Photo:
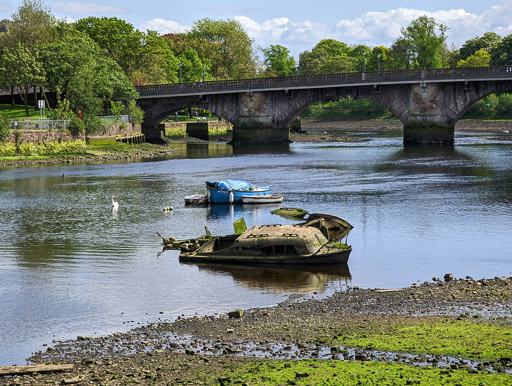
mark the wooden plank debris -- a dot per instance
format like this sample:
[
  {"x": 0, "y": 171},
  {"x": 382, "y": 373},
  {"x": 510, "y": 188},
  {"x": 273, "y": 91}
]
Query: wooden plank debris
[{"x": 29, "y": 369}]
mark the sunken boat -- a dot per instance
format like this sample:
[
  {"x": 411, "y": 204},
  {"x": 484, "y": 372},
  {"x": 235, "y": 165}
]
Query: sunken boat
[{"x": 318, "y": 240}]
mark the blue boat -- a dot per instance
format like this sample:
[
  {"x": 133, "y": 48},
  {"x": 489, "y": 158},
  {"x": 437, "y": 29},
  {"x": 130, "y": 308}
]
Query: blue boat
[{"x": 231, "y": 191}]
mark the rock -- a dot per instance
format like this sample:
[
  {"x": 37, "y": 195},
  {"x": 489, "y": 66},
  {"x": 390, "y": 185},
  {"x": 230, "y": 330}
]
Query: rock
[
  {"x": 448, "y": 277},
  {"x": 236, "y": 314}
]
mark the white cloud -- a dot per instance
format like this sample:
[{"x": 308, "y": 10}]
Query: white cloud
[
  {"x": 86, "y": 9},
  {"x": 163, "y": 26},
  {"x": 372, "y": 28}
]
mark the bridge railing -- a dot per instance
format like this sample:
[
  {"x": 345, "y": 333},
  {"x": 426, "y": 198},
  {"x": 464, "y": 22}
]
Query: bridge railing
[{"x": 324, "y": 79}]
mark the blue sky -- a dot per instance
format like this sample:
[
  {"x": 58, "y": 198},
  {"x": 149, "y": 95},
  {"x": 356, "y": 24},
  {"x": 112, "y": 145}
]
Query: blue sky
[{"x": 298, "y": 24}]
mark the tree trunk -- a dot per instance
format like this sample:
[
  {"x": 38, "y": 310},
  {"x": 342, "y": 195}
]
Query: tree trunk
[
  {"x": 12, "y": 96},
  {"x": 35, "y": 99}
]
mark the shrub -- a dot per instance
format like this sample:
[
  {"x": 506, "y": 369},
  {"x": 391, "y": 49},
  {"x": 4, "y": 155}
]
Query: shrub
[{"x": 4, "y": 128}]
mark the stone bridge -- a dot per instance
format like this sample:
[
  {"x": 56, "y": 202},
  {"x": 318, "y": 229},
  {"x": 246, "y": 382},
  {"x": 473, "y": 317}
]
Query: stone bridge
[{"x": 427, "y": 102}]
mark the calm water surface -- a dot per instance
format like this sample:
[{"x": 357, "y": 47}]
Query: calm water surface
[{"x": 70, "y": 266}]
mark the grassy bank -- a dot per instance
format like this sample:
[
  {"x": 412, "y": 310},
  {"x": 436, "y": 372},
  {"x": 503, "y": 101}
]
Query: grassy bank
[{"x": 17, "y": 112}]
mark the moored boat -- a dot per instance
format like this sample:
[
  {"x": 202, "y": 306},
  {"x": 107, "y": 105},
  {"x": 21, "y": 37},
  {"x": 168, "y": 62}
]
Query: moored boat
[
  {"x": 231, "y": 191},
  {"x": 316, "y": 241},
  {"x": 196, "y": 199},
  {"x": 263, "y": 199}
]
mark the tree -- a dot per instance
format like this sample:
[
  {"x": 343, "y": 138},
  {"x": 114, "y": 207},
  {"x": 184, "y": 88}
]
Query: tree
[
  {"x": 31, "y": 25},
  {"x": 64, "y": 58},
  {"x": 157, "y": 63},
  {"x": 20, "y": 71},
  {"x": 192, "y": 66},
  {"x": 488, "y": 41},
  {"x": 278, "y": 59},
  {"x": 361, "y": 53},
  {"x": 380, "y": 57},
  {"x": 401, "y": 55},
  {"x": 328, "y": 56},
  {"x": 501, "y": 55},
  {"x": 480, "y": 58},
  {"x": 426, "y": 39},
  {"x": 226, "y": 45}
]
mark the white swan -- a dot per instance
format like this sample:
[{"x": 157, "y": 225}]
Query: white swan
[{"x": 115, "y": 204}]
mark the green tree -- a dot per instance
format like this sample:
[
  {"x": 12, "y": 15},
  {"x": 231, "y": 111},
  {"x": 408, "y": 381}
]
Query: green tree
[
  {"x": 501, "y": 55},
  {"x": 157, "y": 63},
  {"x": 488, "y": 41},
  {"x": 480, "y": 58},
  {"x": 135, "y": 112},
  {"x": 192, "y": 66},
  {"x": 226, "y": 45},
  {"x": 328, "y": 56},
  {"x": 361, "y": 53},
  {"x": 279, "y": 61},
  {"x": 117, "y": 37},
  {"x": 64, "y": 58},
  {"x": 20, "y": 70},
  {"x": 427, "y": 38},
  {"x": 380, "y": 56},
  {"x": 31, "y": 25},
  {"x": 401, "y": 55}
]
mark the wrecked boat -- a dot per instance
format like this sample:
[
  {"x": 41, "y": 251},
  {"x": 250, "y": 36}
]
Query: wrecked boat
[
  {"x": 231, "y": 191},
  {"x": 318, "y": 240}
]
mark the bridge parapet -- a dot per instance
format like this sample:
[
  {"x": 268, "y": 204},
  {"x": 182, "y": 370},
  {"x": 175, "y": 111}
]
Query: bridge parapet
[
  {"x": 427, "y": 102},
  {"x": 326, "y": 80}
]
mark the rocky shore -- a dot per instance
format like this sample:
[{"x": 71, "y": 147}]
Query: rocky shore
[{"x": 202, "y": 350}]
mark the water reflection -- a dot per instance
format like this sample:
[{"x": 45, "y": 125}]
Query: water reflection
[
  {"x": 261, "y": 149},
  {"x": 434, "y": 159},
  {"x": 235, "y": 211},
  {"x": 214, "y": 150},
  {"x": 300, "y": 278}
]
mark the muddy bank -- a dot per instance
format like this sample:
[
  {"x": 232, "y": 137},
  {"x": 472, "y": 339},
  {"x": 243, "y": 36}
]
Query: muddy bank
[
  {"x": 199, "y": 349},
  {"x": 392, "y": 125},
  {"x": 138, "y": 152}
]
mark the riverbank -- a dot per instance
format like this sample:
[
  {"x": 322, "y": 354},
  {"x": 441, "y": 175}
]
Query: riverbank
[
  {"x": 453, "y": 331},
  {"x": 319, "y": 132}
]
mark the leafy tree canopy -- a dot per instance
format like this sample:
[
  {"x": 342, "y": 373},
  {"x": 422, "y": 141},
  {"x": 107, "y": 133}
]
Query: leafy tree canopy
[
  {"x": 278, "y": 61},
  {"x": 426, "y": 39},
  {"x": 327, "y": 56},
  {"x": 31, "y": 25},
  {"x": 226, "y": 45},
  {"x": 480, "y": 58},
  {"x": 488, "y": 41},
  {"x": 501, "y": 55}
]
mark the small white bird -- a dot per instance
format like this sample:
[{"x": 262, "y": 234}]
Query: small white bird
[{"x": 115, "y": 204}]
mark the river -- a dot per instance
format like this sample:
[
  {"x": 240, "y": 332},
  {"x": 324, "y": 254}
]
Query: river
[{"x": 70, "y": 266}]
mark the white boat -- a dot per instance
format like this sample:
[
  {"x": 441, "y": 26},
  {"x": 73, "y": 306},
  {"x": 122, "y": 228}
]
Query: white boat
[{"x": 263, "y": 199}]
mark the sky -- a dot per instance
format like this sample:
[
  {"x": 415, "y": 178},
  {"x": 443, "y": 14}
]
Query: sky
[{"x": 299, "y": 24}]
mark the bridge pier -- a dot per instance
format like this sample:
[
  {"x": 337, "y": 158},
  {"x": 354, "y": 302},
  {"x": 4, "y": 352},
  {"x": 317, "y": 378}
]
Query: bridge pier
[
  {"x": 418, "y": 133},
  {"x": 256, "y": 132}
]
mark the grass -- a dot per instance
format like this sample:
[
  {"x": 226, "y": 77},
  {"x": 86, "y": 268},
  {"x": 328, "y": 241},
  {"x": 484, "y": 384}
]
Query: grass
[
  {"x": 331, "y": 372},
  {"x": 17, "y": 112},
  {"x": 439, "y": 336}
]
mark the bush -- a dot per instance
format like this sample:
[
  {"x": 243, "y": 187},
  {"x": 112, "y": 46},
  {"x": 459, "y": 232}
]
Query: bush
[
  {"x": 4, "y": 128},
  {"x": 76, "y": 125},
  {"x": 135, "y": 112}
]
